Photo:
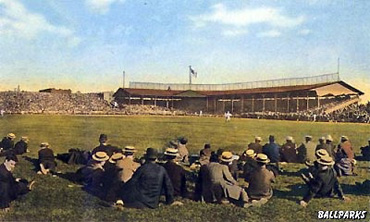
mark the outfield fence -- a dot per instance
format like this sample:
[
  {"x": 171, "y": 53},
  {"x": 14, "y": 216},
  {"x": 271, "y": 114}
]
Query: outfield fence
[{"x": 327, "y": 78}]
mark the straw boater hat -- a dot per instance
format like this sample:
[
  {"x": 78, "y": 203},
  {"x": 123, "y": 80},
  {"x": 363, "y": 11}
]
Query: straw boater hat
[
  {"x": 227, "y": 157},
  {"x": 326, "y": 160},
  {"x": 129, "y": 149},
  {"x": 44, "y": 144},
  {"x": 344, "y": 137},
  {"x": 100, "y": 156},
  {"x": 115, "y": 157},
  {"x": 250, "y": 153},
  {"x": 321, "y": 152},
  {"x": 308, "y": 136},
  {"x": 24, "y": 138},
  {"x": 258, "y": 138},
  {"x": 329, "y": 138},
  {"x": 289, "y": 138},
  {"x": 262, "y": 158},
  {"x": 11, "y": 135},
  {"x": 171, "y": 152},
  {"x": 322, "y": 138}
]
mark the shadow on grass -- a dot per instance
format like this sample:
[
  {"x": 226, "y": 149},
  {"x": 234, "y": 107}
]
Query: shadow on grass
[
  {"x": 34, "y": 161},
  {"x": 296, "y": 192},
  {"x": 359, "y": 189}
]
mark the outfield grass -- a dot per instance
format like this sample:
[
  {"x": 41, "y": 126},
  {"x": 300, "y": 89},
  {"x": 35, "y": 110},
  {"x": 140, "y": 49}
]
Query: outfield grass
[{"x": 52, "y": 199}]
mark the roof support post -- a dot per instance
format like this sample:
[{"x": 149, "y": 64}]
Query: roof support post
[
  {"x": 308, "y": 102},
  {"x": 207, "y": 104},
  {"x": 242, "y": 105},
  {"x": 297, "y": 103},
  {"x": 263, "y": 103},
  {"x": 252, "y": 104},
  {"x": 275, "y": 101},
  {"x": 288, "y": 103}
]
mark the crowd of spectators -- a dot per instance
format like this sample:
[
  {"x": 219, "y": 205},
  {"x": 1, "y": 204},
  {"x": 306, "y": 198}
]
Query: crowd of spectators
[
  {"x": 73, "y": 103},
  {"x": 93, "y": 104},
  {"x": 358, "y": 113}
]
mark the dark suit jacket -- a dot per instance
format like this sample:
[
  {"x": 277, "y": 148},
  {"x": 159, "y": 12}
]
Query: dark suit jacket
[
  {"x": 20, "y": 147},
  {"x": 256, "y": 147},
  {"x": 9, "y": 187},
  {"x": 46, "y": 155},
  {"x": 324, "y": 184},
  {"x": 177, "y": 176},
  {"x": 289, "y": 152},
  {"x": 105, "y": 148},
  {"x": 7, "y": 143},
  {"x": 146, "y": 185}
]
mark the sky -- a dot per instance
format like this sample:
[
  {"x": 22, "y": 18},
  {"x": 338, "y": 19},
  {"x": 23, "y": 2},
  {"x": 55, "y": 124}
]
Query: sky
[{"x": 86, "y": 45}]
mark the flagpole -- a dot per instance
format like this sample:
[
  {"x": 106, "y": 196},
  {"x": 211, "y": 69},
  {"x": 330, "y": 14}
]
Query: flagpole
[{"x": 189, "y": 75}]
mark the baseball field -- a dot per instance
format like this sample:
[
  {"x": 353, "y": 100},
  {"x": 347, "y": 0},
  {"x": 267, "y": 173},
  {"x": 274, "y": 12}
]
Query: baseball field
[{"x": 58, "y": 199}]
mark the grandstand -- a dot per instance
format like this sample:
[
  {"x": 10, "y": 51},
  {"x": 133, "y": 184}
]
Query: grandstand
[{"x": 318, "y": 94}]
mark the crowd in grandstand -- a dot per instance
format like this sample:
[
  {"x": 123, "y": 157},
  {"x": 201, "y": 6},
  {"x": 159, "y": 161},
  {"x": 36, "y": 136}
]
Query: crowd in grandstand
[
  {"x": 357, "y": 113},
  {"x": 92, "y": 103},
  {"x": 120, "y": 179},
  {"x": 73, "y": 103}
]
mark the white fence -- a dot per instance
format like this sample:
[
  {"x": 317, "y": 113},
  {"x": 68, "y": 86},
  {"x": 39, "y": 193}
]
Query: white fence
[{"x": 327, "y": 78}]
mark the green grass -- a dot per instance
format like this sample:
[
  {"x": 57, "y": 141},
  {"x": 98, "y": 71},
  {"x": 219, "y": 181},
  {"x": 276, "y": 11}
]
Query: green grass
[{"x": 52, "y": 199}]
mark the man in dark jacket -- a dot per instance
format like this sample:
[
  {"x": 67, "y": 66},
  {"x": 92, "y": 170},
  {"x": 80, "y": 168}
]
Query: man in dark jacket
[
  {"x": 324, "y": 183},
  {"x": 260, "y": 189},
  {"x": 10, "y": 187},
  {"x": 288, "y": 151},
  {"x": 250, "y": 164},
  {"x": 175, "y": 172},
  {"x": 46, "y": 159},
  {"x": 365, "y": 151},
  {"x": 272, "y": 150},
  {"x": 105, "y": 147},
  {"x": 8, "y": 142},
  {"x": 21, "y": 146},
  {"x": 146, "y": 185},
  {"x": 256, "y": 146}
]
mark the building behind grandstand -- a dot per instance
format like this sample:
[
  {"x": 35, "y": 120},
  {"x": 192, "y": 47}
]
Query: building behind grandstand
[{"x": 323, "y": 94}]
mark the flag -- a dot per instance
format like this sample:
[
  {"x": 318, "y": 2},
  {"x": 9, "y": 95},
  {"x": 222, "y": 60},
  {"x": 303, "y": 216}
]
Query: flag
[{"x": 193, "y": 72}]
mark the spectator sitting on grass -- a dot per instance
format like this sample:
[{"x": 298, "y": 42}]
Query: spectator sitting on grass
[
  {"x": 365, "y": 151},
  {"x": 224, "y": 186},
  {"x": 147, "y": 184},
  {"x": 325, "y": 183},
  {"x": 46, "y": 159},
  {"x": 183, "y": 151},
  {"x": 10, "y": 187},
  {"x": 175, "y": 172},
  {"x": 256, "y": 146},
  {"x": 288, "y": 151},
  {"x": 21, "y": 146},
  {"x": 313, "y": 168},
  {"x": 104, "y": 146},
  {"x": 127, "y": 164},
  {"x": 92, "y": 174},
  {"x": 259, "y": 189},
  {"x": 250, "y": 164},
  {"x": 8, "y": 142}
]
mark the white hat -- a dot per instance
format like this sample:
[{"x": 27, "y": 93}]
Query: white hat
[
  {"x": 329, "y": 138},
  {"x": 290, "y": 138},
  {"x": 258, "y": 138}
]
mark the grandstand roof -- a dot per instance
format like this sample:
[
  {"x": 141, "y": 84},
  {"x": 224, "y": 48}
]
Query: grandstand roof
[{"x": 280, "y": 89}]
